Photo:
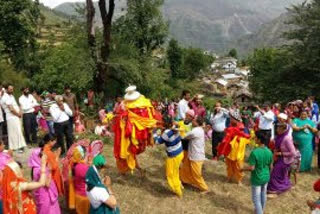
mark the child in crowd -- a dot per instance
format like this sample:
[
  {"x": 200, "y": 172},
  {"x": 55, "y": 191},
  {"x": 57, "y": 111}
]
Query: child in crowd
[
  {"x": 101, "y": 130},
  {"x": 295, "y": 166},
  {"x": 171, "y": 138},
  {"x": 315, "y": 205},
  {"x": 208, "y": 131},
  {"x": 102, "y": 114},
  {"x": 79, "y": 127},
  {"x": 260, "y": 161}
]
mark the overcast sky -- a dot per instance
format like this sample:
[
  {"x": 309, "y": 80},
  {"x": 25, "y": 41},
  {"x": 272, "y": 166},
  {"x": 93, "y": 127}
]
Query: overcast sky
[{"x": 54, "y": 3}]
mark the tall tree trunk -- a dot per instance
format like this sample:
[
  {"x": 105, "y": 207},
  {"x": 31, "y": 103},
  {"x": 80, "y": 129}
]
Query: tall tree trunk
[
  {"x": 91, "y": 30},
  {"x": 102, "y": 59}
]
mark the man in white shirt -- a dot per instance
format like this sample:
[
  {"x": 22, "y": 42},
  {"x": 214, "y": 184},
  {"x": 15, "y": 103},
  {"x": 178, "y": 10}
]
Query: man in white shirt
[
  {"x": 183, "y": 105},
  {"x": 27, "y": 105},
  {"x": 218, "y": 122},
  {"x": 13, "y": 117},
  {"x": 266, "y": 120},
  {"x": 191, "y": 169},
  {"x": 61, "y": 114}
]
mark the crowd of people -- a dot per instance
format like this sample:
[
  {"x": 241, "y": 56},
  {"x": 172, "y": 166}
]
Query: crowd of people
[{"x": 282, "y": 141}]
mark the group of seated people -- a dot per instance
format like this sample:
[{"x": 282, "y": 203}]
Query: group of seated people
[{"x": 81, "y": 182}]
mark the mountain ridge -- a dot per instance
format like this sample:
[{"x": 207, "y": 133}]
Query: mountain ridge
[{"x": 212, "y": 24}]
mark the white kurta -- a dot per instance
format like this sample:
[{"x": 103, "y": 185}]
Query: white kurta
[{"x": 15, "y": 136}]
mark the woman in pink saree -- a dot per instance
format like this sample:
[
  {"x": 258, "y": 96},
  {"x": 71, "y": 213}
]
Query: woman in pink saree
[{"x": 46, "y": 198}]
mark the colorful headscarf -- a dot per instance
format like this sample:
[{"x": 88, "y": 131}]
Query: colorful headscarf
[
  {"x": 34, "y": 159},
  {"x": 4, "y": 159},
  {"x": 99, "y": 160},
  {"x": 78, "y": 155}
]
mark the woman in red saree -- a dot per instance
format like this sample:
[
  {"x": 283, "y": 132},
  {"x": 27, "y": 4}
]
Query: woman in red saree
[{"x": 17, "y": 198}]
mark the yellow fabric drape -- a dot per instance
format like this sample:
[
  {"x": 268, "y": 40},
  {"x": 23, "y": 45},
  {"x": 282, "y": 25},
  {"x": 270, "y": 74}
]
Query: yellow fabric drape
[
  {"x": 191, "y": 173},
  {"x": 141, "y": 123},
  {"x": 141, "y": 102},
  {"x": 235, "y": 159},
  {"x": 233, "y": 169},
  {"x": 253, "y": 139},
  {"x": 125, "y": 142},
  {"x": 172, "y": 172},
  {"x": 238, "y": 149},
  {"x": 128, "y": 160},
  {"x": 183, "y": 128},
  {"x": 82, "y": 204},
  {"x": 109, "y": 117}
]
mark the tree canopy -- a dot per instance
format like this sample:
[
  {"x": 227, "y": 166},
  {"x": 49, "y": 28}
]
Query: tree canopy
[{"x": 291, "y": 71}]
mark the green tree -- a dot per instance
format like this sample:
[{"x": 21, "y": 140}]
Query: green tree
[
  {"x": 194, "y": 62},
  {"x": 68, "y": 63},
  {"x": 143, "y": 25},
  {"x": 290, "y": 72},
  {"x": 304, "y": 45},
  {"x": 175, "y": 58},
  {"x": 18, "y": 31},
  {"x": 233, "y": 53},
  {"x": 270, "y": 79}
]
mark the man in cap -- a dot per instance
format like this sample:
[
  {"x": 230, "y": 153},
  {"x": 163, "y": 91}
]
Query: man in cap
[{"x": 266, "y": 119}]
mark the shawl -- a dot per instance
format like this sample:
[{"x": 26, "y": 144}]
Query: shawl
[
  {"x": 93, "y": 179},
  {"x": 280, "y": 138},
  {"x": 4, "y": 159},
  {"x": 16, "y": 201},
  {"x": 56, "y": 174}
]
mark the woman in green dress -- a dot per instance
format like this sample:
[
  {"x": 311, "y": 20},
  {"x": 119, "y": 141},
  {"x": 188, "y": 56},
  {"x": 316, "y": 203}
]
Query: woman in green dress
[
  {"x": 303, "y": 130},
  {"x": 99, "y": 192}
]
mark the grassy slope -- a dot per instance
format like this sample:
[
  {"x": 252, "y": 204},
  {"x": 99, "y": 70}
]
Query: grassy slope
[
  {"x": 53, "y": 17},
  {"x": 151, "y": 194}
]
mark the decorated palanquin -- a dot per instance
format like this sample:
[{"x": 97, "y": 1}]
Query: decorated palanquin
[{"x": 133, "y": 124}]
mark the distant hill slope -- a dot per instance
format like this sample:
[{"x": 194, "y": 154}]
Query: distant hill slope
[
  {"x": 53, "y": 17},
  {"x": 213, "y": 24},
  {"x": 54, "y": 26},
  {"x": 269, "y": 35},
  {"x": 70, "y": 9},
  {"x": 210, "y": 24}
]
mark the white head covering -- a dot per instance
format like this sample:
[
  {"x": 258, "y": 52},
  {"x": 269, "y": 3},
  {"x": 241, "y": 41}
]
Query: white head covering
[
  {"x": 283, "y": 116},
  {"x": 131, "y": 93}
]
